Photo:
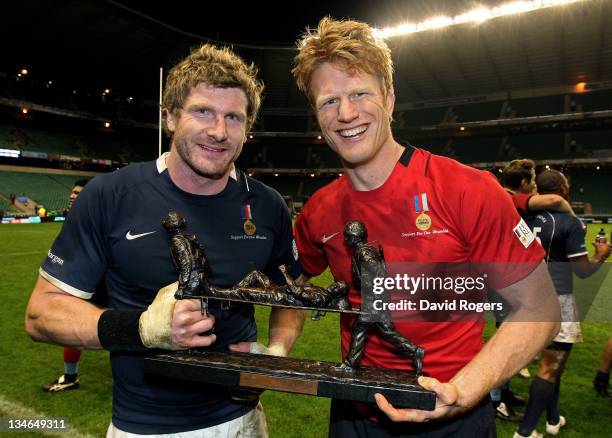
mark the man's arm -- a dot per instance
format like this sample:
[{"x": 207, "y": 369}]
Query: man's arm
[
  {"x": 56, "y": 316},
  {"x": 550, "y": 202},
  {"x": 285, "y": 326},
  {"x": 584, "y": 267},
  {"x": 527, "y": 330}
]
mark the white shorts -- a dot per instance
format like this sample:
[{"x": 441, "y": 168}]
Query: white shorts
[
  {"x": 250, "y": 425},
  {"x": 570, "y": 331}
]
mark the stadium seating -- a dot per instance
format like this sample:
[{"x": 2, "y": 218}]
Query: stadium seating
[
  {"x": 538, "y": 106},
  {"x": 420, "y": 117},
  {"x": 539, "y": 146},
  {"x": 286, "y": 186},
  {"x": 590, "y": 185},
  {"x": 323, "y": 157},
  {"x": 478, "y": 111},
  {"x": 311, "y": 185},
  {"x": 6, "y": 138},
  {"x": 285, "y": 156},
  {"x": 5, "y": 206},
  {"x": 588, "y": 142},
  {"x": 476, "y": 149},
  {"x": 278, "y": 123},
  {"x": 50, "y": 190},
  {"x": 81, "y": 144},
  {"x": 39, "y": 140},
  {"x": 594, "y": 101}
]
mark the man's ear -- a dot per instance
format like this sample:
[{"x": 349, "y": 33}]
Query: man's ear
[
  {"x": 390, "y": 100},
  {"x": 525, "y": 184},
  {"x": 170, "y": 121}
]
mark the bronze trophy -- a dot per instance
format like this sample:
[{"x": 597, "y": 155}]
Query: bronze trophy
[{"x": 347, "y": 381}]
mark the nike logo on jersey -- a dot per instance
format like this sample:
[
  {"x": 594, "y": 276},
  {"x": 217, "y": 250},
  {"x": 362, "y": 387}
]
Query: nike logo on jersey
[
  {"x": 130, "y": 236},
  {"x": 325, "y": 238}
]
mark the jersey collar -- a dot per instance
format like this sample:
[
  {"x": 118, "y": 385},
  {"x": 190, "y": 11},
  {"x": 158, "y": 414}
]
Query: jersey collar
[{"x": 404, "y": 160}]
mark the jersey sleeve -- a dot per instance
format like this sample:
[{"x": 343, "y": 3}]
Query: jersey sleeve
[
  {"x": 575, "y": 245},
  {"x": 521, "y": 203},
  {"x": 284, "y": 251},
  {"x": 312, "y": 257},
  {"x": 497, "y": 237},
  {"x": 78, "y": 258}
]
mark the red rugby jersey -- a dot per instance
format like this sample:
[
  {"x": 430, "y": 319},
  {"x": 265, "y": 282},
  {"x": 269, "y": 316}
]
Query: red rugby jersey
[
  {"x": 474, "y": 219},
  {"x": 521, "y": 202}
]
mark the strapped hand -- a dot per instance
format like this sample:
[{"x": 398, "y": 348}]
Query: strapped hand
[{"x": 174, "y": 325}]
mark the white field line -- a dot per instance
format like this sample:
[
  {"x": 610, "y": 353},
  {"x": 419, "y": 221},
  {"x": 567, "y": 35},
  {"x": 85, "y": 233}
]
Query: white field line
[{"x": 15, "y": 410}]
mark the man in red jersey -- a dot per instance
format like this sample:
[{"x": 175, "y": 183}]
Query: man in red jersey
[
  {"x": 418, "y": 207},
  {"x": 519, "y": 182}
]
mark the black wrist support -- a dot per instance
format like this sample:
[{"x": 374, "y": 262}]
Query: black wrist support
[{"x": 118, "y": 330}]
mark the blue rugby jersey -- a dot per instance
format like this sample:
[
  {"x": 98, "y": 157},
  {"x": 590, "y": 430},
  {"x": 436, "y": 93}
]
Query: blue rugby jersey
[
  {"x": 562, "y": 236},
  {"x": 114, "y": 234}
]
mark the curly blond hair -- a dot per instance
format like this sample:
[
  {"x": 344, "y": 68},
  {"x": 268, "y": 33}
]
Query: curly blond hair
[
  {"x": 219, "y": 67},
  {"x": 346, "y": 43}
]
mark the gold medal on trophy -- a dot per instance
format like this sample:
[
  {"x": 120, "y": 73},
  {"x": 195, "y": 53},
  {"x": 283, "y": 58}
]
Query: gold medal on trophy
[{"x": 248, "y": 226}]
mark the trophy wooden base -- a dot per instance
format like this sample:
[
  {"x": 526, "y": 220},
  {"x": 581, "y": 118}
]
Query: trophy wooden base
[{"x": 302, "y": 376}]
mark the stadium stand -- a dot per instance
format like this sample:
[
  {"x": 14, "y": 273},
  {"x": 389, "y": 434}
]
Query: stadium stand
[
  {"x": 590, "y": 186},
  {"x": 537, "y": 106},
  {"x": 311, "y": 185},
  {"x": 323, "y": 157},
  {"x": 476, "y": 149},
  {"x": 279, "y": 123},
  {"x": 5, "y": 206},
  {"x": 39, "y": 140},
  {"x": 592, "y": 143},
  {"x": 422, "y": 116},
  {"x": 538, "y": 146},
  {"x": 478, "y": 111},
  {"x": 50, "y": 190},
  {"x": 6, "y": 139},
  {"x": 80, "y": 144},
  {"x": 593, "y": 101},
  {"x": 286, "y": 186},
  {"x": 285, "y": 156}
]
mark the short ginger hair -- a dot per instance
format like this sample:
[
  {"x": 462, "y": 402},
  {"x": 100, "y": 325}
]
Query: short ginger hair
[{"x": 352, "y": 45}]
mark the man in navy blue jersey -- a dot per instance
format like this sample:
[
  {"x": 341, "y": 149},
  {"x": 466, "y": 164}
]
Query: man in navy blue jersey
[
  {"x": 519, "y": 182},
  {"x": 114, "y": 234},
  {"x": 562, "y": 236}
]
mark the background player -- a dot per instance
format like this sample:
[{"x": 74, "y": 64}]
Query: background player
[
  {"x": 601, "y": 383},
  {"x": 70, "y": 378},
  {"x": 562, "y": 236}
]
